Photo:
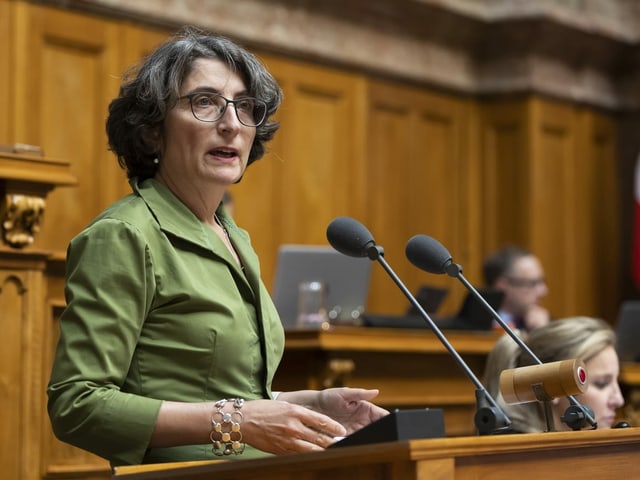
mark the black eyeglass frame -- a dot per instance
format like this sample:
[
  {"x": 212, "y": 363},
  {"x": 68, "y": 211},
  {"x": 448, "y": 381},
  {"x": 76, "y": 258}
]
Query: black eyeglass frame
[{"x": 256, "y": 101}]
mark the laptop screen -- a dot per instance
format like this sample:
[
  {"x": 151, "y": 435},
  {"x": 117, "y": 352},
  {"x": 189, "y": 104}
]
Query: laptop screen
[
  {"x": 346, "y": 279},
  {"x": 474, "y": 315}
]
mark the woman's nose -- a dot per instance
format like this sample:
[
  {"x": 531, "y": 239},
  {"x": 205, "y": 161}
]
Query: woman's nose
[
  {"x": 617, "y": 400},
  {"x": 229, "y": 119}
]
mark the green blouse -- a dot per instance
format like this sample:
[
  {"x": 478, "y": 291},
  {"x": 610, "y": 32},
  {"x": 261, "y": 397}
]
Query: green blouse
[{"x": 157, "y": 309}]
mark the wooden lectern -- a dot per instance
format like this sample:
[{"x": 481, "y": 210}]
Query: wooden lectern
[{"x": 584, "y": 455}]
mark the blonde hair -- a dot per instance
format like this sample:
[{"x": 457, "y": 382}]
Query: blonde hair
[{"x": 574, "y": 337}]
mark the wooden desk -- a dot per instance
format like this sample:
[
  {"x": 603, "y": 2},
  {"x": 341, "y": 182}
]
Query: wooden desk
[
  {"x": 586, "y": 455},
  {"x": 411, "y": 368}
]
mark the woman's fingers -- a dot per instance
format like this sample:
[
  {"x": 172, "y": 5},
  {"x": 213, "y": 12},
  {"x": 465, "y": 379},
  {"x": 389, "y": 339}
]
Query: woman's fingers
[
  {"x": 324, "y": 424},
  {"x": 280, "y": 427}
]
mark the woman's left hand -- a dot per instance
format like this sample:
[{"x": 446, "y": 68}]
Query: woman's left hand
[{"x": 350, "y": 406}]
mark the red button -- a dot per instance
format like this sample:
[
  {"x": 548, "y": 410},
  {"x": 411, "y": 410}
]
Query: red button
[{"x": 582, "y": 375}]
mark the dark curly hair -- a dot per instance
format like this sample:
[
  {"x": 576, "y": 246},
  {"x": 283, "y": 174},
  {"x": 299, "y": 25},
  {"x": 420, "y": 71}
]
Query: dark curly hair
[{"x": 151, "y": 89}]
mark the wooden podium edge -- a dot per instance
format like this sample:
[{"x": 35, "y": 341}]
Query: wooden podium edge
[
  {"x": 126, "y": 470},
  {"x": 422, "y": 449}
]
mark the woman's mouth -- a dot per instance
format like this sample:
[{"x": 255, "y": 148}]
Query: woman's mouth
[{"x": 224, "y": 153}]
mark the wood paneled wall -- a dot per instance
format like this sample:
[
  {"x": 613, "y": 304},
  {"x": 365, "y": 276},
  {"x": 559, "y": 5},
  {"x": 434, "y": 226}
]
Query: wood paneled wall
[
  {"x": 418, "y": 167},
  {"x": 404, "y": 160},
  {"x": 6, "y": 35},
  {"x": 22, "y": 311},
  {"x": 551, "y": 184}
]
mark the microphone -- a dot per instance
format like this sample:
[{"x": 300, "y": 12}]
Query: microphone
[
  {"x": 351, "y": 238},
  {"x": 430, "y": 255}
]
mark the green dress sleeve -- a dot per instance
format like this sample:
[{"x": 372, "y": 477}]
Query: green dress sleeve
[{"x": 109, "y": 291}]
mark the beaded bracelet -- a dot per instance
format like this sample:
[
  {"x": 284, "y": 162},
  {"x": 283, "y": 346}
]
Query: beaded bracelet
[{"x": 226, "y": 436}]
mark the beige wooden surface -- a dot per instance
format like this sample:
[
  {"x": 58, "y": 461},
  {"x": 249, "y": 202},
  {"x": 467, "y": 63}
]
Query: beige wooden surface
[{"x": 588, "y": 455}]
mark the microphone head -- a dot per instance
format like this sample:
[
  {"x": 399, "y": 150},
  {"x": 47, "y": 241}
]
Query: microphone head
[
  {"x": 350, "y": 237},
  {"x": 428, "y": 254}
]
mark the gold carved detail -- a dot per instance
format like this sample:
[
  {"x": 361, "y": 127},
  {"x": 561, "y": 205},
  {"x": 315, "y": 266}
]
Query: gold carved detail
[{"x": 21, "y": 216}]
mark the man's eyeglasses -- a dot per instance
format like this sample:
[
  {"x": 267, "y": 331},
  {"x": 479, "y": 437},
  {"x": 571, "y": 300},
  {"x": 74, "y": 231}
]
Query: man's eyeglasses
[
  {"x": 528, "y": 283},
  {"x": 210, "y": 107}
]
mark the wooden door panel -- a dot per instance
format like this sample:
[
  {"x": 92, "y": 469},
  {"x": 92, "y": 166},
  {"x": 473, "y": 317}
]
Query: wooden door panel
[
  {"x": 69, "y": 73},
  {"x": 12, "y": 318},
  {"x": 553, "y": 189},
  {"x": 416, "y": 177},
  {"x": 6, "y": 66},
  {"x": 505, "y": 179}
]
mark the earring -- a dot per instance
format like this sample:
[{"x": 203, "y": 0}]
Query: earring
[{"x": 156, "y": 161}]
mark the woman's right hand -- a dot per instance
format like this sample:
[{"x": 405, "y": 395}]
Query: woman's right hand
[{"x": 279, "y": 427}]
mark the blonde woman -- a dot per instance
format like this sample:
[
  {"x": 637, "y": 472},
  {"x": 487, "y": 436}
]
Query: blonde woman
[{"x": 589, "y": 339}]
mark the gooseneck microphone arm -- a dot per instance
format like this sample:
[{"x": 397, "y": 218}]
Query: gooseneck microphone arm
[
  {"x": 489, "y": 416},
  {"x": 351, "y": 238},
  {"x": 430, "y": 255}
]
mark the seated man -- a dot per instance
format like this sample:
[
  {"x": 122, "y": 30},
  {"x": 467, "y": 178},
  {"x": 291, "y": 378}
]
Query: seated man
[{"x": 518, "y": 273}]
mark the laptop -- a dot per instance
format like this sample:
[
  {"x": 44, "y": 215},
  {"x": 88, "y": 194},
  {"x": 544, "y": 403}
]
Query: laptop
[
  {"x": 472, "y": 314},
  {"x": 628, "y": 331},
  {"x": 346, "y": 279},
  {"x": 430, "y": 298}
]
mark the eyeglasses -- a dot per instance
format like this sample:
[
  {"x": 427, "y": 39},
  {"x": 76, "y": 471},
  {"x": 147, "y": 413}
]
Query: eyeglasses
[
  {"x": 210, "y": 107},
  {"x": 528, "y": 283}
]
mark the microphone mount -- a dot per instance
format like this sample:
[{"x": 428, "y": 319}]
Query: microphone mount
[
  {"x": 578, "y": 416},
  {"x": 375, "y": 252}
]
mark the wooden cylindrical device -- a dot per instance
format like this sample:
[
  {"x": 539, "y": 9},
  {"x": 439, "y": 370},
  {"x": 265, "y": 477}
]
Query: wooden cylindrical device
[{"x": 544, "y": 382}]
